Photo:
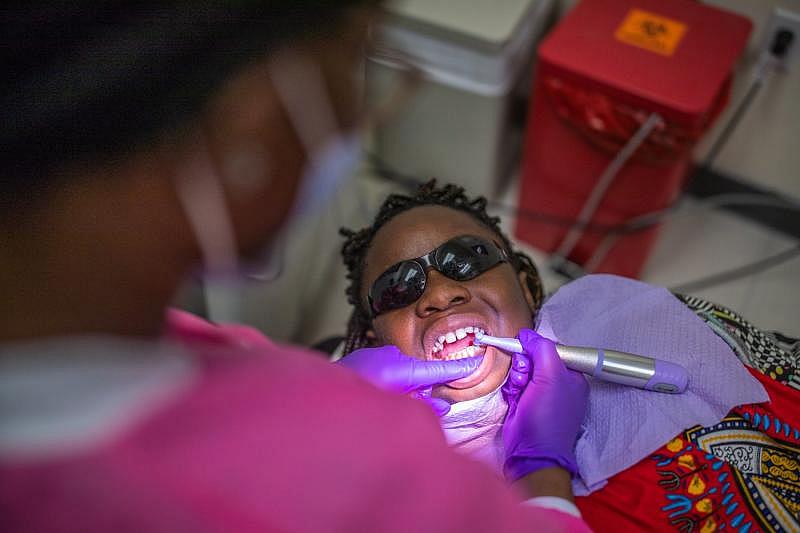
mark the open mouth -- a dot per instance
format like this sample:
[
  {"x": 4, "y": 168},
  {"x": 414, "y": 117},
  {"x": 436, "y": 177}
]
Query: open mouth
[{"x": 457, "y": 344}]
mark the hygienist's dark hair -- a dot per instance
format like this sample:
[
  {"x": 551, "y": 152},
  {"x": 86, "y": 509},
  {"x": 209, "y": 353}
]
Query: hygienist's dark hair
[
  {"x": 93, "y": 81},
  {"x": 357, "y": 243}
]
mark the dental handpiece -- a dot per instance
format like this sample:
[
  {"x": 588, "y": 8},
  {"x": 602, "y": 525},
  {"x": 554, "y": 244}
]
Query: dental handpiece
[{"x": 609, "y": 365}]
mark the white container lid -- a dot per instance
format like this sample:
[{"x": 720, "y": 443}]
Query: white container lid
[
  {"x": 474, "y": 45},
  {"x": 480, "y": 24}
]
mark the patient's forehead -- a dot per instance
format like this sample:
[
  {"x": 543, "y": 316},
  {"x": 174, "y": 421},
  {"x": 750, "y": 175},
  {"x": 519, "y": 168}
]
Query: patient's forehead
[{"x": 416, "y": 232}]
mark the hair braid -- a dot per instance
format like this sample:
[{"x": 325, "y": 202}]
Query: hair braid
[{"x": 357, "y": 243}]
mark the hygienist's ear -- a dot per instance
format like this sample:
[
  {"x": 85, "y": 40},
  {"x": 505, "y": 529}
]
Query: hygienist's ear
[{"x": 526, "y": 291}]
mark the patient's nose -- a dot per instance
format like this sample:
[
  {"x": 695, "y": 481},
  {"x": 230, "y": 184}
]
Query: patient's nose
[{"x": 441, "y": 293}]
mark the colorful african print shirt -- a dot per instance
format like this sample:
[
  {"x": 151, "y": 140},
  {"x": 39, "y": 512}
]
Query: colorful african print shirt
[{"x": 742, "y": 474}]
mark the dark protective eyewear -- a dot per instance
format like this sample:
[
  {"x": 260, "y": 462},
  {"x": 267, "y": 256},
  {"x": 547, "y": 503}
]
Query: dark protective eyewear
[{"x": 460, "y": 259}]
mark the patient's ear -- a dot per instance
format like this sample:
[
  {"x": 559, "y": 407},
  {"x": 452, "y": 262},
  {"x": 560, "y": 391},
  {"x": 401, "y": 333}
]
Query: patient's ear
[
  {"x": 372, "y": 338},
  {"x": 526, "y": 290}
]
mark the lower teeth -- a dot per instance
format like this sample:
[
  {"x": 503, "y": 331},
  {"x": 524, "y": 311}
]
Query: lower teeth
[{"x": 469, "y": 351}]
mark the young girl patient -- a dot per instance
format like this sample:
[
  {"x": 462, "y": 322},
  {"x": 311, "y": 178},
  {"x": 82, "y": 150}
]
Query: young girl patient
[
  {"x": 434, "y": 269},
  {"x": 479, "y": 285}
]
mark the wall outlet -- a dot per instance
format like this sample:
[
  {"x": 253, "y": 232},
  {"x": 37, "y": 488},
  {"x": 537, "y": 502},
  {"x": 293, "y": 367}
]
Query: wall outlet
[{"x": 783, "y": 20}]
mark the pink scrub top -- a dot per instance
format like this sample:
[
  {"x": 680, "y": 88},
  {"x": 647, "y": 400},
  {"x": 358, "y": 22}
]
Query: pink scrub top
[{"x": 220, "y": 429}]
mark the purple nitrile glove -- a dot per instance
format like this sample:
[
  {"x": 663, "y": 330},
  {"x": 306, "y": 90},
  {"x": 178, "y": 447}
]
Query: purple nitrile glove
[
  {"x": 519, "y": 374},
  {"x": 542, "y": 430},
  {"x": 388, "y": 368}
]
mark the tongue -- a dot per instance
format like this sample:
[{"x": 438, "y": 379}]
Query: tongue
[{"x": 457, "y": 346}]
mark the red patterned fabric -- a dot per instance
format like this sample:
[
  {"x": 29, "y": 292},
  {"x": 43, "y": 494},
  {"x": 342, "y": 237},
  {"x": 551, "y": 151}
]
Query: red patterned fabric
[{"x": 742, "y": 474}]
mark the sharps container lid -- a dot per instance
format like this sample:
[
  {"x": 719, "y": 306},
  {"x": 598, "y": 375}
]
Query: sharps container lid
[{"x": 671, "y": 56}]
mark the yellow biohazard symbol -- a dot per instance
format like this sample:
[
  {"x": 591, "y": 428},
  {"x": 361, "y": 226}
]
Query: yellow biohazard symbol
[{"x": 650, "y": 31}]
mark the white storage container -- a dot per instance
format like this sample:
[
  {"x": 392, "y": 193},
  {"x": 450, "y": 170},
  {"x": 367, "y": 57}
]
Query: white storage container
[{"x": 476, "y": 56}]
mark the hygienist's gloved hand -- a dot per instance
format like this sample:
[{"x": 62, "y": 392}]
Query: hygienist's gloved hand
[
  {"x": 388, "y": 368},
  {"x": 519, "y": 374},
  {"x": 542, "y": 430}
]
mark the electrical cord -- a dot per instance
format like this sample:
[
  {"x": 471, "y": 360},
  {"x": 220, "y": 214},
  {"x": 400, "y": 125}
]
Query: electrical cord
[
  {"x": 605, "y": 180},
  {"x": 410, "y": 183},
  {"x": 734, "y": 274},
  {"x": 645, "y": 221},
  {"x": 769, "y": 62},
  {"x": 637, "y": 224},
  {"x": 764, "y": 70}
]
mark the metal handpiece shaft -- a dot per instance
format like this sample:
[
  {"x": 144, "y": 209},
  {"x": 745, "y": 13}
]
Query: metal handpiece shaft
[{"x": 609, "y": 365}]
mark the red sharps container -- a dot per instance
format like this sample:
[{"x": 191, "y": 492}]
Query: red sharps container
[{"x": 608, "y": 68}]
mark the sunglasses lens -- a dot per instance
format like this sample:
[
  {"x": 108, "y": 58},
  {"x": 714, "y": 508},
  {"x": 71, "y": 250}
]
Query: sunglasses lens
[
  {"x": 464, "y": 258},
  {"x": 398, "y": 287},
  {"x": 461, "y": 259}
]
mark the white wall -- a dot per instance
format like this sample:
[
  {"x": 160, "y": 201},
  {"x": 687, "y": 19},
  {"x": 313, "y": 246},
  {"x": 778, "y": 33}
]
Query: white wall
[{"x": 765, "y": 149}]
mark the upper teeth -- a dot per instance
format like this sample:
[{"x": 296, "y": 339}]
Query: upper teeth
[{"x": 452, "y": 336}]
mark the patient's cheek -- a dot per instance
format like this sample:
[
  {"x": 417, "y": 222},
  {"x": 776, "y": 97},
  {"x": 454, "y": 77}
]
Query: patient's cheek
[
  {"x": 402, "y": 341},
  {"x": 503, "y": 364}
]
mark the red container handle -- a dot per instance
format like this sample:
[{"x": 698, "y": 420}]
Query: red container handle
[{"x": 608, "y": 124}]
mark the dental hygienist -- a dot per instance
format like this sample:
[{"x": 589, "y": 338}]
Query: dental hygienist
[{"x": 140, "y": 146}]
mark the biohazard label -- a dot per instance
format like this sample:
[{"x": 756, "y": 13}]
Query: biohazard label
[{"x": 652, "y": 32}]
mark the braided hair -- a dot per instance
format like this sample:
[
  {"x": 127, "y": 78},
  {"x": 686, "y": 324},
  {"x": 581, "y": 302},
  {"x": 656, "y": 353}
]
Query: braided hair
[{"x": 357, "y": 244}]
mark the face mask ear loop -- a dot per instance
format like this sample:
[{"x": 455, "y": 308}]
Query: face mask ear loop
[
  {"x": 303, "y": 93},
  {"x": 200, "y": 192},
  {"x": 277, "y": 254},
  {"x": 302, "y": 90}
]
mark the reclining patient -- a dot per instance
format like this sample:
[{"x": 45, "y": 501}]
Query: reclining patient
[{"x": 434, "y": 269}]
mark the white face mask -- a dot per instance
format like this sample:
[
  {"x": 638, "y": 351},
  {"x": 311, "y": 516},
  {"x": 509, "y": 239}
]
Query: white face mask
[
  {"x": 325, "y": 171},
  {"x": 331, "y": 157}
]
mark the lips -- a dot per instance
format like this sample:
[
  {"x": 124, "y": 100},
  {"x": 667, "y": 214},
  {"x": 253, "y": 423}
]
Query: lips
[
  {"x": 453, "y": 338},
  {"x": 457, "y": 344},
  {"x": 480, "y": 374}
]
